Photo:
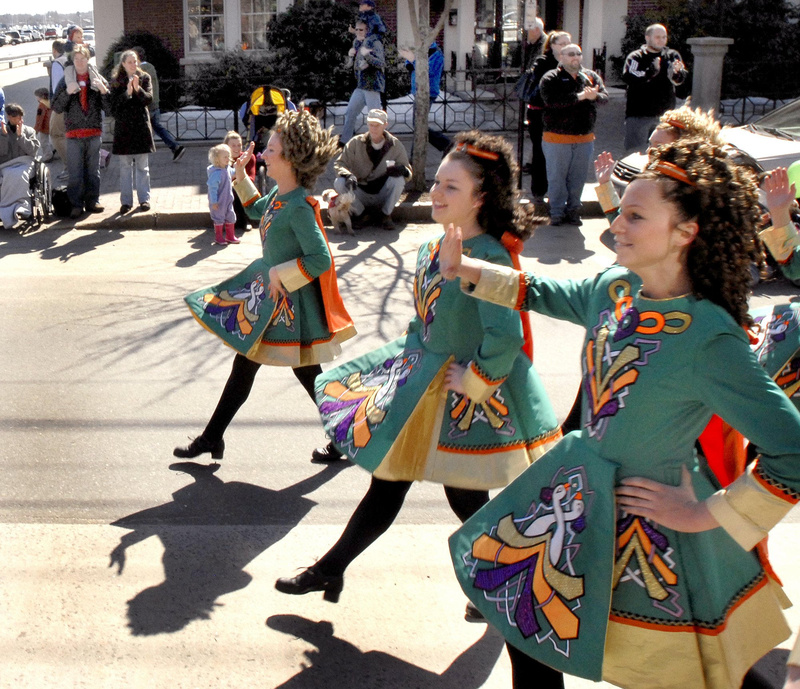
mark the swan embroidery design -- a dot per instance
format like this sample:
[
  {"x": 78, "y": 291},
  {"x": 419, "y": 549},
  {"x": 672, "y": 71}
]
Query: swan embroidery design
[
  {"x": 532, "y": 578},
  {"x": 237, "y": 310},
  {"x": 357, "y": 403},
  {"x": 772, "y": 328}
]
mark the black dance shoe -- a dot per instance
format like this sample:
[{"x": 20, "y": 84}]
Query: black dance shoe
[
  {"x": 472, "y": 614},
  {"x": 326, "y": 455},
  {"x": 200, "y": 446},
  {"x": 311, "y": 580}
]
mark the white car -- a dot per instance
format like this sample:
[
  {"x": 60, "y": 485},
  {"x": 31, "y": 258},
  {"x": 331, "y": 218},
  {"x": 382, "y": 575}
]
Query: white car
[{"x": 771, "y": 141}]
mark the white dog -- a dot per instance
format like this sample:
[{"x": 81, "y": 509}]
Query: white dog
[{"x": 339, "y": 209}]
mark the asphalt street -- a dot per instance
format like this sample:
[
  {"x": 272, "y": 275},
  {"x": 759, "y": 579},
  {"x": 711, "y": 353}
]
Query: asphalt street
[{"x": 123, "y": 567}]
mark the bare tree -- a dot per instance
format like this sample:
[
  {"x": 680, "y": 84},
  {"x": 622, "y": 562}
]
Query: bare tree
[{"x": 420, "y": 11}]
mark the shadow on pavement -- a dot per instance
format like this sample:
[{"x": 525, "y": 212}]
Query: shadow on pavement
[
  {"x": 552, "y": 245},
  {"x": 82, "y": 244},
  {"x": 202, "y": 564},
  {"x": 338, "y": 663}
]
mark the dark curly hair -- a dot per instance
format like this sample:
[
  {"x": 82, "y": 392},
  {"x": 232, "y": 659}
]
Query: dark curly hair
[
  {"x": 306, "y": 145},
  {"x": 500, "y": 211},
  {"x": 723, "y": 200}
]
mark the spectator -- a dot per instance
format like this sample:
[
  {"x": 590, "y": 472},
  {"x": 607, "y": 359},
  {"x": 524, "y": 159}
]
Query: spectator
[
  {"x": 651, "y": 73},
  {"x": 155, "y": 113},
  {"x": 368, "y": 65},
  {"x": 548, "y": 60},
  {"x": 82, "y": 95},
  {"x": 42, "y": 124},
  {"x": 131, "y": 93},
  {"x": 535, "y": 45},
  {"x": 220, "y": 194},
  {"x": 378, "y": 163},
  {"x": 234, "y": 142},
  {"x": 56, "y": 69},
  {"x": 2, "y": 105},
  {"x": 781, "y": 236},
  {"x": 368, "y": 15},
  {"x": 18, "y": 147},
  {"x": 571, "y": 95},
  {"x": 435, "y": 68},
  {"x": 74, "y": 38}
]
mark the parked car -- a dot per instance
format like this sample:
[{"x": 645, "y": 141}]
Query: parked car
[
  {"x": 27, "y": 35},
  {"x": 50, "y": 33},
  {"x": 88, "y": 38},
  {"x": 771, "y": 141},
  {"x": 14, "y": 37}
]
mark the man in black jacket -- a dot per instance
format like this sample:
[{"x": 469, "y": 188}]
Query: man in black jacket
[
  {"x": 571, "y": 95},
  {"x": 651, "y": 73}
]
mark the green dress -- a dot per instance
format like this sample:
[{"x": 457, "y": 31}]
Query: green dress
[
  {"x": 389, "y": 412},
  {"x": 303, "y": 328},
  {"x": 686, "y": 609}
]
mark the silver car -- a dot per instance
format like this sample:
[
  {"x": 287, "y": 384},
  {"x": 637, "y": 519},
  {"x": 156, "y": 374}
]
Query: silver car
[{"x": 771, "y": 141}]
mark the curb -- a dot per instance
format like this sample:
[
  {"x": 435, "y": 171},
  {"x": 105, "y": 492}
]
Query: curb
[{"x": 411, "y": 212}]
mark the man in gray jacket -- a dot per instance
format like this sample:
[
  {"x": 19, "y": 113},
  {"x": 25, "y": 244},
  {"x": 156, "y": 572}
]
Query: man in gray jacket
[
  {"x": 374, "y": 165},
  {"x": 18, "y": 147}
]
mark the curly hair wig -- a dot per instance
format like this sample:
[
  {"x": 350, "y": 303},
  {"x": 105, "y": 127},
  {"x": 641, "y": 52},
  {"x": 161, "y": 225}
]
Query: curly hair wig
[
  {"x": 722, "y": 198},
  {"x": 685, "y": 122},
  {"x": 307, "y": 146},
  {"x": 500, "y": 211}
]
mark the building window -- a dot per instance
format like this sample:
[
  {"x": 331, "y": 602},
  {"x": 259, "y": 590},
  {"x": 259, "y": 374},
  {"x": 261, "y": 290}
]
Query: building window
[
  {"x": 206, "y": 19},
  {"x": 256, "y": 16}
]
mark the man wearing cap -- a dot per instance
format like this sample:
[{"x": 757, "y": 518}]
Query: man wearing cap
[
  {"x": 651, "y": 73},
  {"x": 571, "y": 95},
  {"x": 377, "y": 163},
  {"x": 368, "y": 64}
]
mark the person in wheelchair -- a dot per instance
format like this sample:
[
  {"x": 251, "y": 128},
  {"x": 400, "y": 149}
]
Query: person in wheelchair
[{"x": 18, "y": 148}]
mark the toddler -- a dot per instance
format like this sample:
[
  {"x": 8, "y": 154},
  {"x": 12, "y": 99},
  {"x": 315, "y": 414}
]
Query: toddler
[
  {"x": 234, "y": 141},
  {"x": 220, "y": 194}
]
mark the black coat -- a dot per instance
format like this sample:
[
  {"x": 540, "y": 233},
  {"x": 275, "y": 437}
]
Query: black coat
[{"x": 132, "y": 131}]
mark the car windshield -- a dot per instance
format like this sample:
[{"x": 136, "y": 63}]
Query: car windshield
[{"x": 784, "y": 121}]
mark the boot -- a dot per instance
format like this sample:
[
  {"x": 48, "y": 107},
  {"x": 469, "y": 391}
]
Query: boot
[
  {"x": 230, "y": 233},
  {"x": 310, "y": 580},
  {"x": 200, "y": 446},
  {"x": 219, "y": 237}
]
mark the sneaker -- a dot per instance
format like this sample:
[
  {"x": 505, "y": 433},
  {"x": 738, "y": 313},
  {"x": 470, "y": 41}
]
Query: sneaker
[
  {"x": 177, "y": 154},
  {"x": 557, "y": 221},
  {"x": 387, "y": 223},
  {"x": 144, "y": 206},
  {"x": 95, "y": 208},
  {"x": 21, "y": 214},
  {"x": 76, "y": 213},
  {"x": 124, "y": 208}
]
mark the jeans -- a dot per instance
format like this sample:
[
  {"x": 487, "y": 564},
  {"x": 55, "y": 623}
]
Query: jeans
[
  {"x": 567, "y": 169},
  {"x": 637, "y": 132},
  {"x": 83, "y": 167},
  {"x": 134, "y": 169},
  {"x": 158, "y": 128},
  {"x": 386, "y": 199},
  {"x": 358, "y": 99}
]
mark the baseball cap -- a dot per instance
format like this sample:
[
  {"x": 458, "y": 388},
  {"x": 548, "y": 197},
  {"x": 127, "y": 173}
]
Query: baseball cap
[
  {"x": 378, "y": 116},
  {"x": 371, "y": 3}
]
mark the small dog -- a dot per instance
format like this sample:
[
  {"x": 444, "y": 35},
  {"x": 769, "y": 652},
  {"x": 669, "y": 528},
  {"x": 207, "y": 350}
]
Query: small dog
[{"x": 339, "y": 209}]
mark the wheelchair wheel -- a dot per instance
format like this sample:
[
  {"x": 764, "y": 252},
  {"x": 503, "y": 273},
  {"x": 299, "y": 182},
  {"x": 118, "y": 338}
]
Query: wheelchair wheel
[{"x": 46, "y": 187}]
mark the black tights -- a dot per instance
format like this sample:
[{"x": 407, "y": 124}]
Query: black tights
[
  {"x": 377, "y": 511},
  {"x": 527, "y": 673},
  {"x": 237, "y": 390}
]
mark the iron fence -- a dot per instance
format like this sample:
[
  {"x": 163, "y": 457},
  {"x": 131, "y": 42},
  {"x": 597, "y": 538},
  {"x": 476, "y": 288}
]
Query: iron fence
[{"x": 469, "y": 99}]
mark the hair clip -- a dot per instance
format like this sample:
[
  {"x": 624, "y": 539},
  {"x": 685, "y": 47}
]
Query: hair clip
[
  {"x": 675, "y": 123},
  {"x": 662, "y": 167},
  {"x": 469, "y": 149}
]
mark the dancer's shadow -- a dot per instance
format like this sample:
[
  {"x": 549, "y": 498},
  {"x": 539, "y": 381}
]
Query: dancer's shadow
[
  {"x": 338, "y": 663},
  {"x": 210, "y": 532}
]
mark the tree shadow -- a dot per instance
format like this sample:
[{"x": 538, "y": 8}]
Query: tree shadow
[
  {"x": 338, "y": 663},
  {"x": 237, "y": 522}
]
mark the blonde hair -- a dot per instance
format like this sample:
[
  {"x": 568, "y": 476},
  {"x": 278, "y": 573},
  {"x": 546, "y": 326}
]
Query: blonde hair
[
  {"x": 232, "y": 134},
  {"x": 215, "y": 153},
  {"x": 685, "y": 122},
  {"x": 306, "y": 145}
]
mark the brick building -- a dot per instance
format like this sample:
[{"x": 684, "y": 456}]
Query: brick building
[{"x": 195, "y": 29}]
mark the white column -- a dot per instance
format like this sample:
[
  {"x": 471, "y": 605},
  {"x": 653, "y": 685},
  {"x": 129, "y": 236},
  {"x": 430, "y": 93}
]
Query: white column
[{"x": 109, "y": 25}]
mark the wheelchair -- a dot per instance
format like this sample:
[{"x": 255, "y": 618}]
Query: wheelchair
[{"x": 41, "y": 192}]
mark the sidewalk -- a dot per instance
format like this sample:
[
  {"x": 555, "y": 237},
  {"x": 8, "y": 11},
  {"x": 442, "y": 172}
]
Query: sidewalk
[{"x": 178, "y": 190}]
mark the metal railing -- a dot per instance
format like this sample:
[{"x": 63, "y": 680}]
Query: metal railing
[{"x": 469, "y": 99}]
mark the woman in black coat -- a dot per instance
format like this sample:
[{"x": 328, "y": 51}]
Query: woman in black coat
[
  {"x": 548, "y": 60},
  {"x": 131, "y": 93}
]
